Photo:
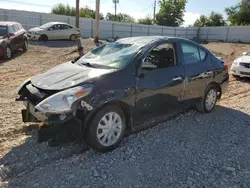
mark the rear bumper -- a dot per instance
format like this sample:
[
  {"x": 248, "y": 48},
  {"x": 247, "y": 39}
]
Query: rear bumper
[{"x": 224, "y": 86}]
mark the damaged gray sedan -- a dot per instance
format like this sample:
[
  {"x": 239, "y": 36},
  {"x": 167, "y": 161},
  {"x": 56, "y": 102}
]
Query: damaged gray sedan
[{"x": 121, "y": 84}]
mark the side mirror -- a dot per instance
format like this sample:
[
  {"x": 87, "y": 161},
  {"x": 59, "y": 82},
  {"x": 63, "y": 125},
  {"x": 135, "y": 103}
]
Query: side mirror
[
  {"x": 11, "y": 34},
  {"x": 244, "y": 53}
]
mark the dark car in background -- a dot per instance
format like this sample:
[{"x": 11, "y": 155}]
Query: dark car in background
[
  {"x": 12, "y": 37},
  {"x": 120, "y": 85}
]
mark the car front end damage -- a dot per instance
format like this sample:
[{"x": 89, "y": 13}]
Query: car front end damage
[{"x": 47, "y": 106}]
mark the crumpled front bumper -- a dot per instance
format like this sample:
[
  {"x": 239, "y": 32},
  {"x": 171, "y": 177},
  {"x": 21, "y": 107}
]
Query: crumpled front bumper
[{"x": 53, "y": 124}]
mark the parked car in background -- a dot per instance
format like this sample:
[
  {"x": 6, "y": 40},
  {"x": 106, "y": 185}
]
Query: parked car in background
[
  {"x": 12, "y": 37},
  {"x": 54, "y": 31},
  {"x": 241, "y": 66},
  {"x": 121, "y": 84}
]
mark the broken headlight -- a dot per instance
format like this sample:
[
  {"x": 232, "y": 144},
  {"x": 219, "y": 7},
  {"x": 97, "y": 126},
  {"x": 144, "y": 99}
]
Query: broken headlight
[
  {"x": 22, "y": 84},
  {"x": 64, "y": 101}
]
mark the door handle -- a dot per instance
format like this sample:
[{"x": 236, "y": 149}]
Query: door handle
[{"x": 179, "y": 78}]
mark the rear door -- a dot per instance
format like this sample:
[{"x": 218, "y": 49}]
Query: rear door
[
  {"x": 160, "y": 82},
  {"x": 198, "y": 69},
  {"x": 67, "y": 31}
]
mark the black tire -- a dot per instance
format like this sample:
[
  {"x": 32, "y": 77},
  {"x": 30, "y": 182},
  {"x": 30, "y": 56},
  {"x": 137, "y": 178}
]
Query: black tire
[
  {"x": 72, "y": 37},
  {"x": 201, "y": 106},
  {"x": 25, "y": 45},
  {"x": 90, "y": 135},
  {"x": 43, "y": 38},
  {"x": 7, "y": 53}
]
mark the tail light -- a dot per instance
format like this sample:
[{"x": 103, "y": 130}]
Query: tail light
[{"x": 226, "y": 67}]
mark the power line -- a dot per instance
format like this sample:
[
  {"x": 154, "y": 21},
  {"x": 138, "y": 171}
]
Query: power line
[
  {"x": 146, "y": 8},
  {"x": 19, "y": 2}
]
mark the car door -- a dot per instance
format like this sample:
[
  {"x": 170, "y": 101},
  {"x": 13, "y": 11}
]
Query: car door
[
  {"x": 55, "y": 32},
  {"x": 198, "y": 69},
  {"x": 13, "y": 38},
  {"x": 160, "y": 82},
  {"x": 67, "y": 31}
]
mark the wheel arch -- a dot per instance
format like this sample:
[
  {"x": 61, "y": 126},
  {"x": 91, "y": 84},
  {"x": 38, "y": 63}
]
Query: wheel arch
[
  {"x": 126, "y": 109},
  {"x": 218, "y": 87}
]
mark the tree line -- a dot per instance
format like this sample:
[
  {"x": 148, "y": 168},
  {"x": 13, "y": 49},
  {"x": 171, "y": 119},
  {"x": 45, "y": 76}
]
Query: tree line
[{"x": 171, "y": 13}]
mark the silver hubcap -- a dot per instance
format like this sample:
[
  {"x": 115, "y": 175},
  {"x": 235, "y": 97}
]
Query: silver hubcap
[
  {"x": 8, "y": 52},
  {"x": 109, "y": 129},
  {"x": 211, "y": 99}
]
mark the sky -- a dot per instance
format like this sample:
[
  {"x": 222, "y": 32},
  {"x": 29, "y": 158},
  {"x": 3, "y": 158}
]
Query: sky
[{"x": 136, "y": 8}]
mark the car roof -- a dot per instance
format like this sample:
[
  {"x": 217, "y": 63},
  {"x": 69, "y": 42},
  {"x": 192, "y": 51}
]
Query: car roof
[
  {"x": 3, "y": 23},
  {"x": 58, "y": 23}
]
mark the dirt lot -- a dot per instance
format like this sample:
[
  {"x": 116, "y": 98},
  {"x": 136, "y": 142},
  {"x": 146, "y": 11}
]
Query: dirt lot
[{"x": 25, "y": 163}]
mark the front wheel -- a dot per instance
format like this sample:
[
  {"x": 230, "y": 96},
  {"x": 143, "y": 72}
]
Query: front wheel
[
  {"x": 209, "y": 100},
  {"x": 106, "y": 130}
]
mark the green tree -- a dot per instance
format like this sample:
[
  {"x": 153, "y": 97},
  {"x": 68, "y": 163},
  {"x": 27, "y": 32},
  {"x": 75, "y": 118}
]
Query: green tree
[
  {"x": 147, "y": 21},
  {"x": 214, "y": 19},
  {"x": 71, "y": 11},
  {"x": 171, "y": 12},
  {"x": 120, "y": 18},
  {"x": 63, "y": 10},
  {"x": 240, "y": 13}
]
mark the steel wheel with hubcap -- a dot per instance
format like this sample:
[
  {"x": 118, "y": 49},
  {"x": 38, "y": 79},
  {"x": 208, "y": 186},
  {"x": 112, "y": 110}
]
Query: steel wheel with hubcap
[
  {"x": 106, "y": 130},
  {"x": 8, "y": 53},
  {"x": 109, "y": 129},
  {"x": 209, "y": 100}
]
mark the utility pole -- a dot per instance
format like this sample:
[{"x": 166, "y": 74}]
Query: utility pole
[
  {"x": 77, "y": 13},
  {"x": 97, "y": 18},
  {"x": 154, "y": 10},
  {"x": 115, "y": 2}
]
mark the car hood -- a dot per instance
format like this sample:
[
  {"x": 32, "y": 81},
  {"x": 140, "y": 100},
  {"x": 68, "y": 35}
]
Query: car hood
[
  {"x": 245, "y": 59},
  {"x": 67, "y": 75},
  {"x": 36, "y": 29}
]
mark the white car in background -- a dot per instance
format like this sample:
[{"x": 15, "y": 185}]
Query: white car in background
[
  {"x": 241, "y": 66},
  {"x": 54, "y": 31}
]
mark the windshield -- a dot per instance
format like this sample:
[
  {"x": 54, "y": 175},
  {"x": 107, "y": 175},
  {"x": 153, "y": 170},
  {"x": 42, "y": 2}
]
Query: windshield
[
  {"x": 44, "y": 26},
  {"x": 3, "y": 30},
  {"x": 113, "y": 54}
]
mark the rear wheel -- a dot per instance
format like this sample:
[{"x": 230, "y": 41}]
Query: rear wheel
[
  {"x": 25, "y": 45},
  {"x": 73, "y": 37},
  {"x": 43, "y": 38},
  {"x": 7, "y": 53},
  {"x": 106, "y": 130},
  {"x": 209, "y": 100}
]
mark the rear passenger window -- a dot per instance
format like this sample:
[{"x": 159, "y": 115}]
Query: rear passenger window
[
  {"x": 203, "y": 54},
  {"x": 190, "y": 53},
  {"x": 66, "y": 27}
]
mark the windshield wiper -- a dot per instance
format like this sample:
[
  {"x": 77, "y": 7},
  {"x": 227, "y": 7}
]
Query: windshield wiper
[{"x": 88, "y": 65}]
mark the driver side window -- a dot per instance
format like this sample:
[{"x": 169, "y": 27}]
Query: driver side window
[{"x": 161, "y": 56}]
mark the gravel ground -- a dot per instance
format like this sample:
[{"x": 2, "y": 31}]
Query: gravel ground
[{"x": 191, "y": 150}]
